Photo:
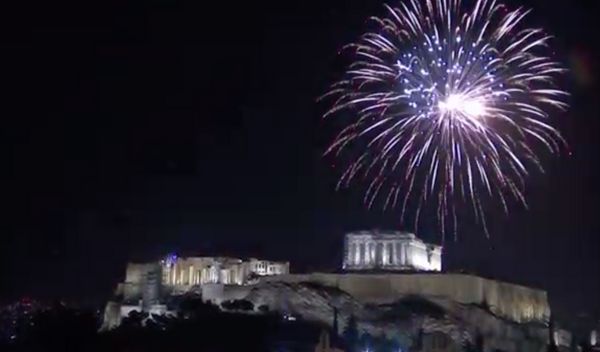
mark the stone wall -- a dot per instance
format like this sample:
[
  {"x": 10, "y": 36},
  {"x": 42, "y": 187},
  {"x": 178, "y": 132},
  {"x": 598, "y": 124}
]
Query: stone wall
[
  {"x": 137, "y": 272},
  {"x": 112, "y": 316},
  {"x": 142, "y": 282},
  {"x": 517, "y": 303}
]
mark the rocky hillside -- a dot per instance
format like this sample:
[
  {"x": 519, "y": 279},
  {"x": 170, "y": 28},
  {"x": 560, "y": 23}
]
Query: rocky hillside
[{"x": 402, "y": 320}]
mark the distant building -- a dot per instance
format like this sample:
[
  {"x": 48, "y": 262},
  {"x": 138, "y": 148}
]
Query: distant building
[
  {"x": 217, "y": 270},
  {"x": 393, "y": 251},
  {"x": 148, "y": 286}
]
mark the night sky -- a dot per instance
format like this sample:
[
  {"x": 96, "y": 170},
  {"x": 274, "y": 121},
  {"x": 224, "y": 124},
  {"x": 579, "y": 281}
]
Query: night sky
[{"x": 130, "y": 130}]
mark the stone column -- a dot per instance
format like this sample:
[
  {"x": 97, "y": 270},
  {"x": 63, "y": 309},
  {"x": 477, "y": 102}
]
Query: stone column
[
  {"x": 395, "y": 252},
  {"x": 401, "y": 253},
  {"x": 363, "y": 252},
  {"x": 385, "y": 254},
  {"x": 167, "y": 277},
  {"x": 372, "y": 252}
]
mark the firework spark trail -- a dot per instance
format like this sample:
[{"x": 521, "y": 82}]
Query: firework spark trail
[{"x": 446, "y": 101}]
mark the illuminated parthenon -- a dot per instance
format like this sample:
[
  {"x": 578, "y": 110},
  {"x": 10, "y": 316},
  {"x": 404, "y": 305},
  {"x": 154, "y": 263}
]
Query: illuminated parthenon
[{"x": 367, "y": 250}]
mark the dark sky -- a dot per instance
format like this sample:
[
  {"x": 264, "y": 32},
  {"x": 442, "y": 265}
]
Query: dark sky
[{"x": 133, "y": 129}]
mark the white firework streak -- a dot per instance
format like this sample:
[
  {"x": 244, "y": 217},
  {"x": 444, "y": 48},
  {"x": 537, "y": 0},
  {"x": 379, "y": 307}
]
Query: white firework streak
[{"x": 446, "y": 101}]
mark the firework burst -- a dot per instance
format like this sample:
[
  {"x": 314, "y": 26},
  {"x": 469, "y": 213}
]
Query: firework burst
[{"x": 446, "y": 102}]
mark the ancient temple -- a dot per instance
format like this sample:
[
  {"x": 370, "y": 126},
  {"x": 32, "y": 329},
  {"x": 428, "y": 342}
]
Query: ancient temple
[
  {"x": 386, "y": 250},
  {"x": 189, "y": 271}
]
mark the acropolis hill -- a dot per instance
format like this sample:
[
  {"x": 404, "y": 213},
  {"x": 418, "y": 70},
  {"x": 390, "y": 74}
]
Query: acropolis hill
[{"x": 379, "y": 270}]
